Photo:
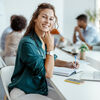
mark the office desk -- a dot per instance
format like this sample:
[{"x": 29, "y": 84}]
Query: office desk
[
  {"x": 93, "y": 55},
  {"x": 90, "y": 54},
  {"x": 86, "y": 91}
]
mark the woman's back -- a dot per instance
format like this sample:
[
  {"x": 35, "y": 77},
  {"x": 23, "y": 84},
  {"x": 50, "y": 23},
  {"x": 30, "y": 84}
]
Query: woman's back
[{"x": 11, "y": 45}]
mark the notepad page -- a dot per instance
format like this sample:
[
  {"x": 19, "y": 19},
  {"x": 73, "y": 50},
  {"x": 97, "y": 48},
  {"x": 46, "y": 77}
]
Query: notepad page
[{"x": 64, "y": 71}]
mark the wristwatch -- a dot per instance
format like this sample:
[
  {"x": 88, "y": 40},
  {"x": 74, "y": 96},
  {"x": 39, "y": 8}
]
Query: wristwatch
[{"x": 50, "y": 53}]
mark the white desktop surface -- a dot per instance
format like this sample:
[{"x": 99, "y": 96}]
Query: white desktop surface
[
  {"x": 94, "y": 55},
  {"x": 86, "y": 91},
  {"x": 91, "y": 54}
]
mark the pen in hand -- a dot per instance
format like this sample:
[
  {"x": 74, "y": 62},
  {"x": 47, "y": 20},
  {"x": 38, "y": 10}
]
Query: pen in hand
[
  {"x": 75, "y": 59},
  {"x": 75, "y": 63}
]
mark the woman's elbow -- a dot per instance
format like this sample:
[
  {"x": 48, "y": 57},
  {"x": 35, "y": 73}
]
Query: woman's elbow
[{"x": 48, "y": 75}]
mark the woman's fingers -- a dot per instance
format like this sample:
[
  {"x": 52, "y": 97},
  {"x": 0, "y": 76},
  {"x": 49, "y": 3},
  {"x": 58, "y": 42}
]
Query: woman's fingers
[{"x": 75, "y": 64}]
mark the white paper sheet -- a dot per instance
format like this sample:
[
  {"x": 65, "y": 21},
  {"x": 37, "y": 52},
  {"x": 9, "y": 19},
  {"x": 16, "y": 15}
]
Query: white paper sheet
[{"x": 65, "y": 71}]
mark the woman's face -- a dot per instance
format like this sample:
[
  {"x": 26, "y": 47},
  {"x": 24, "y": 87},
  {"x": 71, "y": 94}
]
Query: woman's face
[{"x": 45, "y": 20}]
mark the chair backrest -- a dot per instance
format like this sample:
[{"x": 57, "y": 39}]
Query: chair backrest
[
  {"x": 6, "y": 74},
  {"x": 2, "y": 63}
]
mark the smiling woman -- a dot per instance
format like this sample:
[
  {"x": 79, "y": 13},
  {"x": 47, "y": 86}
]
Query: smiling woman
[
  {"x": 45, "y": 20},
  {"x": 35, "y": 57},
  {"x": 33, "y": 64}
]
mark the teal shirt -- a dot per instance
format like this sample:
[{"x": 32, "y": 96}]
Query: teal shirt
[{"x": 29, "y": 72}]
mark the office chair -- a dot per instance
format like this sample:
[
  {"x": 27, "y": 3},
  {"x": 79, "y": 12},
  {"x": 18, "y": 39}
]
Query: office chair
[
  {"x": 2, "y": 63},
  {"x": 6, "y": 74}
]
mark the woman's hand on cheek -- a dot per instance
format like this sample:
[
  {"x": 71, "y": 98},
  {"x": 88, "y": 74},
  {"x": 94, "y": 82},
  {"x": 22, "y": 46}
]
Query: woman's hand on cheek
[{"x": 49, "y": 41}]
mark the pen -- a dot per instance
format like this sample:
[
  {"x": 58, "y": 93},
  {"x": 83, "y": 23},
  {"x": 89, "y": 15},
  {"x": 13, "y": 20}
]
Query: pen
[
  {"x": 75, "y": 59},
  {"x": 75, "y": 62}
]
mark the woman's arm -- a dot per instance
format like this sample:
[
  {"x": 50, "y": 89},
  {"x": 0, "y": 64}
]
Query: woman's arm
[
  {"x": 49, "y": 65},
  {"x": 74, "y": 37},
  {"x": 49, "y": 62},
  {"x": 61, "y": 63}
]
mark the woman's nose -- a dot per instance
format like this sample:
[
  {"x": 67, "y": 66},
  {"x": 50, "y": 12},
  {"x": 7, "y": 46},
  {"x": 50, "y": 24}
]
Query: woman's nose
[{"x": 47, "y": 20}]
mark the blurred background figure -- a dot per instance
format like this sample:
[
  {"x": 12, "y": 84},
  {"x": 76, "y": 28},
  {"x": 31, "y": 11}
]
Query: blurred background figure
[
  {"x": 85, "y": 32},
  {"x": 12, "y": 39},
  {"x": 59, "y": 40},
  {"x": 6, "y": 32},
  {"x": 95, "y": 47}
]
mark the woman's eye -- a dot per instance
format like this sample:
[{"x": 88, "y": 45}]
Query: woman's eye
[
  {"x": 51, "y": 19},
  {"x": 44, "y": 16}
]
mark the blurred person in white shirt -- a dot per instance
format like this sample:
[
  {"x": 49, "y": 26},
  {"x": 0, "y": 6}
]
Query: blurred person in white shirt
[{"x": 85, "y": 32}]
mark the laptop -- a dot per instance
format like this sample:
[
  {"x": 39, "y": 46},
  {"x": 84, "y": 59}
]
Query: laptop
[{"x": 90, "y": 76}]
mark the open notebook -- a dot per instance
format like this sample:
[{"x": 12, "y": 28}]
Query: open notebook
[
  {"x": 65, "y": 71},
  {"x": 90, "y": 76}
]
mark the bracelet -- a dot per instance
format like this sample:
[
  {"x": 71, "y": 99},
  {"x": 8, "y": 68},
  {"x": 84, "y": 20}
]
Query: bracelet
[{"x": 50, "y": 53}]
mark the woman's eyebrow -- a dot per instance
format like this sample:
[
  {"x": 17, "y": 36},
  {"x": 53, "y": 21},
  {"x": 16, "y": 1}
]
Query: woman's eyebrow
[{"x": 47, "y": 15}]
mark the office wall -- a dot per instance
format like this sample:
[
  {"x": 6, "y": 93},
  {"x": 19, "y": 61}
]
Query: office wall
[
  {"x": 2, "y": 17},
  {"x": 66, "y": 11},
  {"x": 98, "y": 12},
  {"x": 27, "y": 7},
  {"x": 73, "y": 8},
  {"x": 98, "y": 6}
]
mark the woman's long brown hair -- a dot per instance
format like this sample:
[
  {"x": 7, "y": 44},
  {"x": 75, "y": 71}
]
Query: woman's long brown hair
[{"x": 35, "y": 16}]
